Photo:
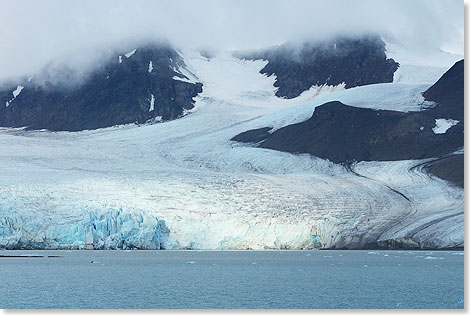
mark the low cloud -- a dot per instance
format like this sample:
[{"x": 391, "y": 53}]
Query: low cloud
[{"x": 32, "y": 33}]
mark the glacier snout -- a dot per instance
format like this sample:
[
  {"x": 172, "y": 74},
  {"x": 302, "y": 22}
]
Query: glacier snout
[{"x": 114, "y": 229}]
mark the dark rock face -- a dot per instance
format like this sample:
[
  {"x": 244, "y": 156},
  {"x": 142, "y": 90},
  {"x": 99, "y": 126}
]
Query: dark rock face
[
  {"x": 344, "y": 134},
  {"x": 450, "y": 168},
  {"x": 117, "y": 93},
  {"x": 448, "y": 91},
  {"x": 253, "y": 136},
  {"x": 354, "y": 61}
]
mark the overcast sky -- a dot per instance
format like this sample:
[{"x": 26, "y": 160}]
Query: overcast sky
[{"x": 33, "y": 32}]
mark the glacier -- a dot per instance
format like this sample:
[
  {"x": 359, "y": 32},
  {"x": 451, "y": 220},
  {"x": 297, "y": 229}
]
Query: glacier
[{"x": 183, "y": 184}]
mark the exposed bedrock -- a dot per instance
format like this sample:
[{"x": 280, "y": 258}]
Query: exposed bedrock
[
  {"x": 134, "y": 87},
  {"x": 346, "y": 134},
  {"x": 354, "y": 61}
]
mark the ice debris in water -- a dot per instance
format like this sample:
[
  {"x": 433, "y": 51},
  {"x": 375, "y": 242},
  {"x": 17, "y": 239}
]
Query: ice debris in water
[
  {"x": 190, "y": 262},
  {"x": 433, "y": 258}
]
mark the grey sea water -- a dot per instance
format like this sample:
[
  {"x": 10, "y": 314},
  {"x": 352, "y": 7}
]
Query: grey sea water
[{"x": 232, "y": 279}]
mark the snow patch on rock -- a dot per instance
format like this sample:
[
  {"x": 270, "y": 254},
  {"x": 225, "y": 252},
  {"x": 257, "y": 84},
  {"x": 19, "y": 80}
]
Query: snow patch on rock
[
  {"x": 442, "y": 125},
  {"x": 129, "y": 54},
  {"x": 152, "y": 102},
  {"x": 15, "y": 93}
]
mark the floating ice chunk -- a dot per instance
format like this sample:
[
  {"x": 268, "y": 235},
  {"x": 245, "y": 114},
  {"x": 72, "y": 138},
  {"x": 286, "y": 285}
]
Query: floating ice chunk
[
  {"x": 327, "y": 256},
  {"x": 386, "y": 255},
  {"x": 190, "y": 262},
  {"x": 442, "y": 125},
  {"x": 371, "y": 253},
  {"x": 120, "y": 59},
  {"x": 365, "y": 266},
  {"x": 421, "y": 128},
  {"x": 129, "y": 54},
  {"x": 30, "y": 78},
  {"x": 152, "y": 103},
  {"x": 253, "y": 263},
  {"x": 460, "y": 254},
  {"x": 150, "y": 66},
  {"x": 433, "y": 258},
  {"x": 307, "y": 254}
]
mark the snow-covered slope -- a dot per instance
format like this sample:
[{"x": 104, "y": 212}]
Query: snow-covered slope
[
  {"x": 425, "y": 64},
  {"x": 184, "y": 184}
]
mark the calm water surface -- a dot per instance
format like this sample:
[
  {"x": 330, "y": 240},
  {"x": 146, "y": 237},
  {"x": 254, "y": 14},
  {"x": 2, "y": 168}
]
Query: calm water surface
[{"x": 233, "y": 279}]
